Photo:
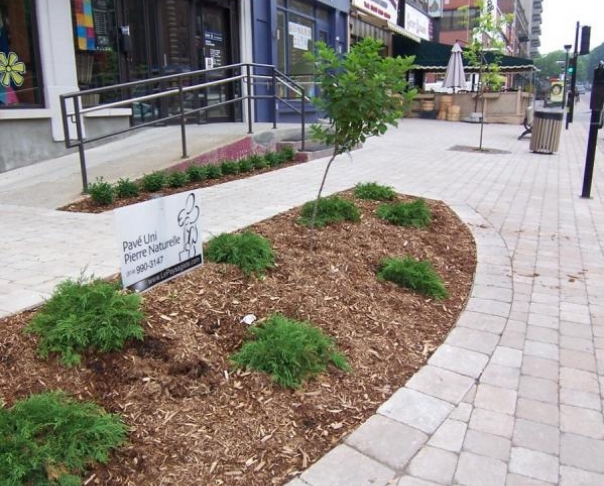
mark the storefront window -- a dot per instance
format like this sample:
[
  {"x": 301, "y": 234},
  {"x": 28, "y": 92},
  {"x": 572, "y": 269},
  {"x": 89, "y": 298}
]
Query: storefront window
[
  {"x": 20, "y": 82},
  {"x": 299, "y": 25}
]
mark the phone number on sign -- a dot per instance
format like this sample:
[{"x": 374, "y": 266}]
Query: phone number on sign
[{"x": 143, "y": 267}]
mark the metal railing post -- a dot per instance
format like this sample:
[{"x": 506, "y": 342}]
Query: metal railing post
[
  {"x": 79, "y": 132},
  {"x": 183, "y": 133},
  {"x": 248, "y": 81},
  {"x": 275, "y": 111},
  {"x": 302, "y": 145}
]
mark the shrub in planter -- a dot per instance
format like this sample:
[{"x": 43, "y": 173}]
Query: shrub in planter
[
  {"x": 50, "y": 439},
  {"x": 214, "y": 171},
  {"x": 287, "y": 154},
  {"x": 330, "y": 210},
  {"x": 416, "y": 213},
  {"x": 245, "y": 165},
  {"x": 272, "y": 159},
  {"x": 153, "y": 182},
  {"x": 258, "y": 161},
  {"x": 413, "y": 274},
  {"x": 229, "y": 167},
  {"x": 81, "y": 315},
  {"x": 252, "y": 253},
  {"x": 177, "y": 179},
  {"x": 289, "y": 351},
  {"x": 197, "y": 173},
  {"x": 126, "y": 188},
  {"x": 101, "y": 192},
  {"x": 374, "y": 191}
]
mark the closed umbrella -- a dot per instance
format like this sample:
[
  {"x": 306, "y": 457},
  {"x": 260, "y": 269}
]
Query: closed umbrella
[{"x": 454, "y": 75}]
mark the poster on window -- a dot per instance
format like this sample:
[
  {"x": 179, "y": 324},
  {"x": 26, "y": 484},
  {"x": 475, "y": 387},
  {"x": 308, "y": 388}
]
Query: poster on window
[
  {"x": 301, "y": 35},
  {"x": 158, "y": 239}
]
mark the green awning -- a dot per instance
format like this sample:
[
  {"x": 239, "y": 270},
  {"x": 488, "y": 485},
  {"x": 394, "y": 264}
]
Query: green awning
[{"x": 434, "y": 57}]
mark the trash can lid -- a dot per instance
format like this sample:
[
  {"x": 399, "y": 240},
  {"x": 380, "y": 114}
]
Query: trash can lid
[{"x": 549, "y": 115}]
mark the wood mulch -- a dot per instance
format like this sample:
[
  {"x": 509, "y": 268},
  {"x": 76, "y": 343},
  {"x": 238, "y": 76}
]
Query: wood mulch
[{"x": 193, "y": 420}]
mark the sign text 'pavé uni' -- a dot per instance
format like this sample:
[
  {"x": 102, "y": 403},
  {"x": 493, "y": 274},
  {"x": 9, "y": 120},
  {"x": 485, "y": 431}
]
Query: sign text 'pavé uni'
[{"x": 145, "y": 246}]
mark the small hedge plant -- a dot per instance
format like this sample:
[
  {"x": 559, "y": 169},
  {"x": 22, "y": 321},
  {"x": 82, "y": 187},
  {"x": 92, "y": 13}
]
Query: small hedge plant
[
  {"x": 197, "y": 173},
  {"x": 416, "y": 214},
  {"x": 81, "y": 315},
  {"x": 252, "y": 253},
  {"x": 289, "y": 351},
  {"x": 153, "y": 182},
  {"x": 50, "y": 439},
  {"x": 374, "y": 191},
  {"x": 330, "y": 210},
  {"x": 177, "y": 179},
  {"x": 126, "y": 188},
  {"x": 413, "y": 274},
  {"x": 101, "y": 192}
]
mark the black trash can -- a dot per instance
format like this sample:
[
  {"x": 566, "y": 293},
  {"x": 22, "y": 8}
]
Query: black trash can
[{"x": 545, "y": 134}]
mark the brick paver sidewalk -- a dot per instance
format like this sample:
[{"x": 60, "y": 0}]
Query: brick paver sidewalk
[{"x": 514, "y": 397}]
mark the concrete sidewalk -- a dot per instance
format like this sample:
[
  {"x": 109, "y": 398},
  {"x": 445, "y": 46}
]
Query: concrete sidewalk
[{"x": 514, "y": 397}]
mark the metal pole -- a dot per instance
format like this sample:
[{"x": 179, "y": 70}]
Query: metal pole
[
  {"x": 592, "y": 142},
  {"x": 183, "y": 133},
  {"x": 566, "y": 48},
  {"x": 79, "y": 132},
  {"x": 274, "y": 99},
  {"x": 303, "y": 144},
  {"x": 249, "y": 98},
  {"x": 573, "y": 82}
]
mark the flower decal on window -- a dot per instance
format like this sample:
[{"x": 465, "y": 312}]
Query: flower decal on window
[{"x": 11, "y": 69}]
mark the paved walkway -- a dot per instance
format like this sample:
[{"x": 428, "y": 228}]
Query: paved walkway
[{"x": 515, "y": 395}]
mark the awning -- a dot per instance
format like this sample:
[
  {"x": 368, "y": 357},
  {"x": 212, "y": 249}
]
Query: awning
[
  {"x": 433, "y": 57},
  {"x": 397, "y": 29}
]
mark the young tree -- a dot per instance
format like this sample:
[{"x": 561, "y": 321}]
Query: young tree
[
  {"x": 485, "y": 49},
  {"x": 361, "y": 93}
]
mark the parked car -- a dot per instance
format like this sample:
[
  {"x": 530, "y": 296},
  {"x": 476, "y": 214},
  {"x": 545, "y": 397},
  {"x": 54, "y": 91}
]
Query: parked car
[{"x": 580, "y": 88}]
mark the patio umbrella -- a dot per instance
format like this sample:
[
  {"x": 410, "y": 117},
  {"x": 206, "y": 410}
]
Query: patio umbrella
[{"x": 454, "y": 75}]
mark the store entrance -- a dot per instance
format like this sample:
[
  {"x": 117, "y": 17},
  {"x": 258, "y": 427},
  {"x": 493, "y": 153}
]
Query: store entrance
[{"x": 142, "y": 39}]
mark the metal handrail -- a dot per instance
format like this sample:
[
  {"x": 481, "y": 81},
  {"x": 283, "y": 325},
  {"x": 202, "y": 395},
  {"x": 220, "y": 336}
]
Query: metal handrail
[{"x": 245, "y": 73}]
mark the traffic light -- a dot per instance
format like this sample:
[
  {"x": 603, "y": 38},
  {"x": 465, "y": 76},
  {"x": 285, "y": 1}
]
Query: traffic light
[{"x": 572, "y": 66}]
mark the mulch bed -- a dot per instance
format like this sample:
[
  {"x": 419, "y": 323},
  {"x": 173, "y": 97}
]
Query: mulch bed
[{"x": 193, "y": 419}]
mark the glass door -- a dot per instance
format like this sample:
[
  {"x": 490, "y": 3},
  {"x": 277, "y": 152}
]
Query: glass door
[{"x": 214, "y": 51}]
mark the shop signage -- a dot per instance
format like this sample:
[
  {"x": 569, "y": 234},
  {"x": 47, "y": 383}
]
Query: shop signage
[
  {"x": 435, "y": 8},
  {"x": 417, "y": 23},
  {"x": 383, "y": 9},
  {"x": 301, "y": 35},
  {"x": 158, "y": 239}
]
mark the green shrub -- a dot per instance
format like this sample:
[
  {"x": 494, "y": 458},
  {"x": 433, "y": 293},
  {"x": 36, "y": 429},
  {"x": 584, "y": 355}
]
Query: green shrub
[
  {"x": 272, "y": 159},
  {"x": 153, "y": 182},
  {"x": 50, "y": 439},
  {"x": 229, "y": 167},
  {"x": 414, "y": 274},
  {"x": 81, "y": 314},
  {"x": 252, "y": 253},
  {"x": 214, "y": 171},
  {"x": 330, "y": 210},
  {"x": 245, "y": 165},
  {"x": 177, "y": 179},
  {"x": 374, "y": 192},
  {"x": 416, "y": 213},
  {"x": 287, "y": 154},
  {"x": 289, "y": 351},
  {"x": 126, "y": 188},
  {"x": 258, "y": 161},
  {"x": 101, "y": 192},
  {"x": 197, "y": 173}
]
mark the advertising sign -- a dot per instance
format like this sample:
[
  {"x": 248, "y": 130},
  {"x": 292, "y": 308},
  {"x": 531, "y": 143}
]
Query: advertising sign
[
  {"x": 417, "y": 23},
  {"x": 301, "y": 34},
  {"x": 383, "y": 9},
  {"x": 556, "y": 92},
  {"x": 158, "y": 239},
  {"x": 435, "y": 8}
]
